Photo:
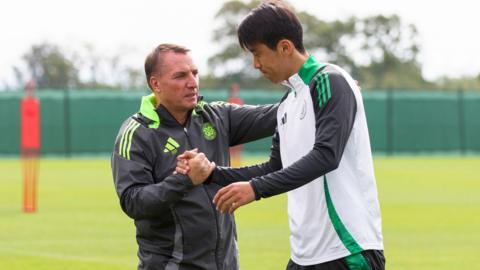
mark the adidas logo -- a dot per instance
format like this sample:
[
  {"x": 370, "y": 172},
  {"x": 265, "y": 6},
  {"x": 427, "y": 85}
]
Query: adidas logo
[{"x": 171, "y": 146}]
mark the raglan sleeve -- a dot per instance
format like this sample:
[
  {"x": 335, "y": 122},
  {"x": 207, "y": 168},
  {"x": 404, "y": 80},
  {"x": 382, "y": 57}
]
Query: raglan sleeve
[
  {"x": 227, "y": 175},
  {"x": 249, "y": 123},
  {"x": 335, "y": 108},
  {"x": 140, "y": 194}
]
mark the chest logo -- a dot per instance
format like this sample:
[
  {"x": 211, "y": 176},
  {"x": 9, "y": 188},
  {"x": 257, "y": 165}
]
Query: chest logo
[
  {"x": 171, "y": 146},
  {"x": 303, "y": 110},
  {"x": 209, "y": 131}
]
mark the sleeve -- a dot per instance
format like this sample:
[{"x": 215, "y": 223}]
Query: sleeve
[
  {"x": 249, "y": 123},
  {"x": 141, "y": 195},
  {"x": 226, "y": 175},
  {"x": 335, "y": 109}
]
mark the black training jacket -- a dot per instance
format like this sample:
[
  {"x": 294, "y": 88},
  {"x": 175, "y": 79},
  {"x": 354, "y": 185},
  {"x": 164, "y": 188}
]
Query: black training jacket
[{"x": 177, "y": 225}]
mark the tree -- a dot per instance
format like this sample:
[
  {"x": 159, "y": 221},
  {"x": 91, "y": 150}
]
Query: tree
[
  {"x": 232, "y": 64},
  {"x": 50, "y": 67},
  {"x": 380, "y": 51},
  {"x": 387, "y": 55}
]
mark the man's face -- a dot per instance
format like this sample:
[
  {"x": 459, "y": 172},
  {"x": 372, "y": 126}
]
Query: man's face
[
  {"x": 270, "y": 62},
  {"x": 177, "y": 82}
]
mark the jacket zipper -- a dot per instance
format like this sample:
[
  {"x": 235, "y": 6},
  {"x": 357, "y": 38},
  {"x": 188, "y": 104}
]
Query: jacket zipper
[{"x": 213, "y": 209}]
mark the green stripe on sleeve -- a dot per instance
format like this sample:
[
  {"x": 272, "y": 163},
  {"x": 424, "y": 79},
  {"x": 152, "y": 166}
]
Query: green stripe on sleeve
[
  {"x": 318, "y": 88},
  {"x": 323, "y": 89},
  {"x": 324, "y": 96},
  {"x": 130, "y": 139},
  {"x": 328, "y": 86},
  {"x": 122, "y": 141},
  {"x": 321, "y": 93}
]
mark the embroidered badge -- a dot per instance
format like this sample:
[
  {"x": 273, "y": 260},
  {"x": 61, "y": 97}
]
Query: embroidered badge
[{"x": 209, "y": 131}]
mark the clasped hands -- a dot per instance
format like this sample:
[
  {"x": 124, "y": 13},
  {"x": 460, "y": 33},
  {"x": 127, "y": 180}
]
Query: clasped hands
[{"x": 198, "y": 168}]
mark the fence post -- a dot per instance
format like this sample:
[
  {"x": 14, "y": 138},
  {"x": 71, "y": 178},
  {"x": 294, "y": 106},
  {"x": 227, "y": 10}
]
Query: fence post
[
  {"x": 66, "y": 122},
  {"x": 390, "y": 124},
  {"x": 461, "y": 120}
]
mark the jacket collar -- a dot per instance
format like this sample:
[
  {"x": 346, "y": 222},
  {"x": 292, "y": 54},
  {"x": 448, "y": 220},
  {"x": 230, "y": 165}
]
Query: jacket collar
[
  {"x": 304, "y": 75},
  {"x": 155, "y": 114},
  {"x": 309, "y": 69}
]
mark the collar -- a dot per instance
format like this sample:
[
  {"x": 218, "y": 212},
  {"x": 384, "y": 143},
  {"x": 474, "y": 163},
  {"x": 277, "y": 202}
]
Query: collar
[
  {"x": 149, "y": 109},
  {"x": 308, "y": 69},
  {"x": 304, "y": 74}
]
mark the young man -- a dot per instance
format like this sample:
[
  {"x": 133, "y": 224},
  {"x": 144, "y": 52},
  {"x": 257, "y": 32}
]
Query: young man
[
  {"x": 320, "y": 154},
  {"x": 178, "y": 227}
]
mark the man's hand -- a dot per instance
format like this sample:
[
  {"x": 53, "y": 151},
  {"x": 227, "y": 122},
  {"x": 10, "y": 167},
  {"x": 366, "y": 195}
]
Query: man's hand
[
  {"x": 195, "y": 165},
  {"x": 182, "y": 161},
  {"x": 233, "y": 196}
]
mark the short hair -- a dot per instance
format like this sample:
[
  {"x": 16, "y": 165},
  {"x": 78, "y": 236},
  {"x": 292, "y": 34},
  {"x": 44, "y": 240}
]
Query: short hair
[
  {"x": 154, "y": 59},
  {"x": 269, "y": 23}
]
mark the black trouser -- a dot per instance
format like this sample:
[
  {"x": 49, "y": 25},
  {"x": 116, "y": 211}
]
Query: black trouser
[{"x": 374, "y": 258}]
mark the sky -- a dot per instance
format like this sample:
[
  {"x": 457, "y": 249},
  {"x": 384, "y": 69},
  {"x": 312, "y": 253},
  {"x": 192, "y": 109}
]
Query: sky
[{"x": 448, "y": 30}]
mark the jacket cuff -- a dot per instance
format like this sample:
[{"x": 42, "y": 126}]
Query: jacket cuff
[
  {"x": 185, "y": 181},
  {"x": 255, "y": 189}
]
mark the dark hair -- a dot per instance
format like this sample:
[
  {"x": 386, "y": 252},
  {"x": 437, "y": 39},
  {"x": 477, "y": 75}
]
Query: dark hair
[
  {"x": 269, "y": 23},
  {"x": 154, "y": 58}
]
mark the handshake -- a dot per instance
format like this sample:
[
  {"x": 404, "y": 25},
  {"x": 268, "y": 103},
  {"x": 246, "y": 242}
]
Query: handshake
[
  {"x": 198, "y": 168},
  {"x": 195, "y": 165}
]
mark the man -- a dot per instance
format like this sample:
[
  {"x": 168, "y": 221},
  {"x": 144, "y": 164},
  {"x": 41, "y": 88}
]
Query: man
[
  {"x": 177, "y": 224},
  {"x": 320, "y": 154}
]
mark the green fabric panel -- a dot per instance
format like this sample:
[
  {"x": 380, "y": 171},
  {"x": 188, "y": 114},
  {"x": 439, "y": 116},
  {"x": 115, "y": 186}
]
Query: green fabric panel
[
  {"x": 357, "y": 262},
  {"x": 308, "y": 69},
  {"x": 347, "y": 239}
]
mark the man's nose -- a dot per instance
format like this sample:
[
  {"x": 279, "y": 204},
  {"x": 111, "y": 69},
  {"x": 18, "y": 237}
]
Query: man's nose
[
  {"x": 256, "y": 64},
  {"x": 192, "y": 81}
]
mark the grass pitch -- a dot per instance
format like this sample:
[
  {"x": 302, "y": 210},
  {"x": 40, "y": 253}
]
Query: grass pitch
[{"x": 430, "y": 207}]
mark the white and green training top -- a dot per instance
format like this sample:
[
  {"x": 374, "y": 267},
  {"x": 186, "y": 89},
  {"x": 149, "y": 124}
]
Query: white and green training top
[{"x": 321, "y": 156}]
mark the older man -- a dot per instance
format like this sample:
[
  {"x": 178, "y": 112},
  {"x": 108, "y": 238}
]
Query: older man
[{"x": 177, "y": 224}]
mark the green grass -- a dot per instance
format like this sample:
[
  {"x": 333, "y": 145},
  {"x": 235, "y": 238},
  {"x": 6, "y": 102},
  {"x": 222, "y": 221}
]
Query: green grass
[{"x": 430, "y": 206}]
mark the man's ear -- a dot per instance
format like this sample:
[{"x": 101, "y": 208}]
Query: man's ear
[
  {"x": 154, "y": 84},
  {"x": 285, "y": 47}
]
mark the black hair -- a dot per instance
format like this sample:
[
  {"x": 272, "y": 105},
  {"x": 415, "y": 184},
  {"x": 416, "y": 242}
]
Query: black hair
[{"x": 269, "y": 23}]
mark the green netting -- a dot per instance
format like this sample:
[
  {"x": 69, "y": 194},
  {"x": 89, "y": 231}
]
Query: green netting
[
  {"x": 53, "y": 119},
  {"x": 84, "y": 122},
  {"x": 9, "y": 123},
  {"x": 425, "y": 122},
  {"x": 471, "y": 122},
  {"x": 376, "y": 110}
]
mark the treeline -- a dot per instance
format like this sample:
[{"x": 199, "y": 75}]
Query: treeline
[{"x": 381, "y": 52}]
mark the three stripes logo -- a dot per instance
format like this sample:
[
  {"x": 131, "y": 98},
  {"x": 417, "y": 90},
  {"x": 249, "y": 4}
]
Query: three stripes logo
[
  {"x": 171, "y": 146},
  {"x": 126, "y": 141},
  {"x": 323, "y": 89}
]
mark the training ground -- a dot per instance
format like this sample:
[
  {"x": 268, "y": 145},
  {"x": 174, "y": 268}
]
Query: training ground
[{"x": 430, "y": 207}]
